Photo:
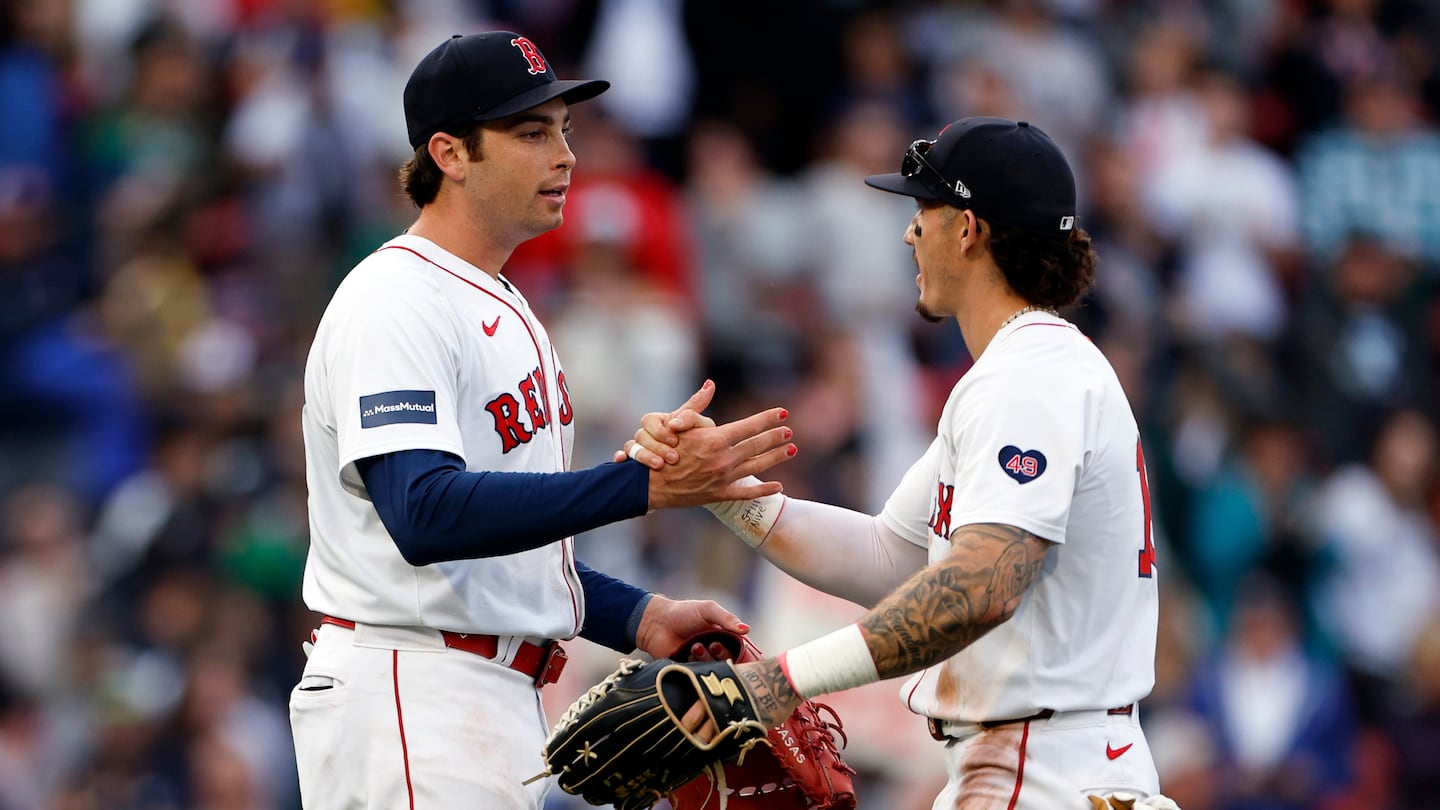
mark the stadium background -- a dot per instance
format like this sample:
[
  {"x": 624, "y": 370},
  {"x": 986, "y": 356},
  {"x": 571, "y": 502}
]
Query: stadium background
[{"x": 183, "y": 182}]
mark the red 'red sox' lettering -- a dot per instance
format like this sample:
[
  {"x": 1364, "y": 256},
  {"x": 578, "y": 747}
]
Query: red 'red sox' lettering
[
  {"x": 566, "y": 414},
  {"x": 532, "y": 403},
  {"x": 940, "y": 515},
  {"x": 513, "y": 433},
  {"x": 519, "y": 418}
]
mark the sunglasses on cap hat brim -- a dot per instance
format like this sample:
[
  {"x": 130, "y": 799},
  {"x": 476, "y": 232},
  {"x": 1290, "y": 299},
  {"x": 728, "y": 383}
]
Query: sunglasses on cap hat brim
[{"x": 919, "y": 178}]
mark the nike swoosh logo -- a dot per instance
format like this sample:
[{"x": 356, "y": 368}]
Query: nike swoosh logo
[
  {"x": 490, "y": 327},
  {"x": 1116, "y": 753}
]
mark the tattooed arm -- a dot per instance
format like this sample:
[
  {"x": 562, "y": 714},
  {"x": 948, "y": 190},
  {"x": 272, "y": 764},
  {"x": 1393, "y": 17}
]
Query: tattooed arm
[
  {"x": 936, "y": 613},
  {"x": 948, "y": 605}
]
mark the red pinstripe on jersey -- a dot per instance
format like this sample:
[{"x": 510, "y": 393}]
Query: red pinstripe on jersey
[
  {"x": 400, "y": 719},
  {"x": 568, "y": 547},
  {"x": 916, "y": 686},
  {"x": 1020, "y": 767}
]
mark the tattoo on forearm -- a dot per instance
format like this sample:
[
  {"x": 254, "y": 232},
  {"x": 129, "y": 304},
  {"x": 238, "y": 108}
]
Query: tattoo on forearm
[
  {"x": 770, "y": 689},
  {"x": 948, "y": 605}
]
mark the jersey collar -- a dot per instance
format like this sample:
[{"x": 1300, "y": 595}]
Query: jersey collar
[
  {"x": 1036, "y": 317},
  {"x": 451, "y": 262}
]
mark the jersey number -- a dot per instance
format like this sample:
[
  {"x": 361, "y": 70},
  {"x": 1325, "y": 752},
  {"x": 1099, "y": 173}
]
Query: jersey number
[
  {"x": 1024, "y": 465},
  {"x": 1147, "y": 554}
]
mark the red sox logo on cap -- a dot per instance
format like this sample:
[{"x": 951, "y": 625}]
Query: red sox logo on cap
[{"x": 532, "y": 55}]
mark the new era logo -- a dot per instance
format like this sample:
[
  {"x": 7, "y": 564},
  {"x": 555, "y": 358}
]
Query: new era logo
[{"x": 1067, "y": 223}]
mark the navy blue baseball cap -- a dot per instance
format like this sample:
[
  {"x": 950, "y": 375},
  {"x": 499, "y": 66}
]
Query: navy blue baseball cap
[
  {"x": 482, "y": 77},
  {"x": 1007, "y": 172}
]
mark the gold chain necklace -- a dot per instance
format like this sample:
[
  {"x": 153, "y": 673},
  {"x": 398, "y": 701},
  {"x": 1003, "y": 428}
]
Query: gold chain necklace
[{"x": 1024, "y": 310}]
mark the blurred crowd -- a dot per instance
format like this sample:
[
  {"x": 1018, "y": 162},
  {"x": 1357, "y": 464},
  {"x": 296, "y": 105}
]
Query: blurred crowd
[{"x": 184, "y": 182}]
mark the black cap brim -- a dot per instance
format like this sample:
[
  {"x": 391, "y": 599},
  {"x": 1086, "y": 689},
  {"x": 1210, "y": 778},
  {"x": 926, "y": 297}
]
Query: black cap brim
[
  {"x": 897, "y": 183},
  {"x": 573, "y": 91}
]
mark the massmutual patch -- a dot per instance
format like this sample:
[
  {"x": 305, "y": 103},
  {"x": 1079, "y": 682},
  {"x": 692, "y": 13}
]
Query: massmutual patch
[
  {"x": 392, "y": 407},
  {"x": 1024, "y": 466}
]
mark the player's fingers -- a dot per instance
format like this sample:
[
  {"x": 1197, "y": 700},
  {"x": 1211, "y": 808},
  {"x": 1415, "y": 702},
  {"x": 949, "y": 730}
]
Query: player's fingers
[
  {"x": 657, "y": 427},
  {"x": 717, "y": 651},
  {"x": 1122, "y": 801},
  {"x": 753, "y": 425},
  {"x": 756, "y": 465},
  {"x": 694, "y": 718},
  {"x": 749, "y": 492},
  {"x": 764, "y": 442},
  {"x": 715, "y": 614},
  {"x": 655, "y": 445},
  {"x": 639, "y": 452},
  {"x": 686, "y": 419},
  {"x": 697, "y": 721},
  {"x": 660, "y": 431},
  {"x": 700, "y": 400}
]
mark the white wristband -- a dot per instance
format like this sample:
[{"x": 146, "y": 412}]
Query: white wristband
[
  {"x": 751, "y": 520},
  {"x": 830, "y": 663}
]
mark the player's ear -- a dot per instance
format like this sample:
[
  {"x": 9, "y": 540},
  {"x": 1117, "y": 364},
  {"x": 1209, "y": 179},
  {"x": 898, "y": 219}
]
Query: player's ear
[
  {"x": 449, "y": 154},
  {"x": 969, "y": 227}
]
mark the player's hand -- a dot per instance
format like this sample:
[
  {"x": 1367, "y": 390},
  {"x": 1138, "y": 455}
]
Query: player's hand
[
  {"x": 715, "y": 462},
  {"x": 666, "y": 623},
  {"x": 707, "y": 461},
  {"x": 659, "y": 433},
  {"x": 655, "y": 440}
]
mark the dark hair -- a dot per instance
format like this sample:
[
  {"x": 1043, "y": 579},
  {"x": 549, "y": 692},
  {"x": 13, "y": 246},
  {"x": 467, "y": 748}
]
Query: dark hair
[
  {"x": 420, "y": 177},
  {"x": 1046, "y": 272}
]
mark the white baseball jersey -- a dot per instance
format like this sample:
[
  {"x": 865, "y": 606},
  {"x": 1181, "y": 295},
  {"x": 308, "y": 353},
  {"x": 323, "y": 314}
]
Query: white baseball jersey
[
  {"x": 1039, "y": 435},
  {"x": 420, "y": 350}
]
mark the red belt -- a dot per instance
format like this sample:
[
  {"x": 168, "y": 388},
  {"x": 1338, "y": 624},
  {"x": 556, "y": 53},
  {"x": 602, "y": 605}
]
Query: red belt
[
  {"x": 937, "y": 726},
  {"x": 543, "y": 663}
]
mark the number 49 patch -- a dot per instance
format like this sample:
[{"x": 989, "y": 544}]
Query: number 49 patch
[{"x": 1022, "y": 465}]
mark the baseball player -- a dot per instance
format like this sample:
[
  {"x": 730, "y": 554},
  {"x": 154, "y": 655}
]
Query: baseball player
[
  {"x": 1011, "y": 574},
  {"x": 438, "y": 434}
]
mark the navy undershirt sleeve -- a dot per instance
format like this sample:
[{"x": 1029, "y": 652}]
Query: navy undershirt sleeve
[
  {"x": 436, "y": 511},
  {"x": 612, "y": 609}
]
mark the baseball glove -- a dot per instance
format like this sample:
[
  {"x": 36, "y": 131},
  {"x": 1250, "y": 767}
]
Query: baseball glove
[
  {"x": 623, "y": 743},
  {"x": 801, "y": 766}
]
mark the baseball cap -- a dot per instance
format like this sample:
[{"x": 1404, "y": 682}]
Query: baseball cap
[
  {"x": 482, "y": 77},
  {"x": 1008, "y": 172}
]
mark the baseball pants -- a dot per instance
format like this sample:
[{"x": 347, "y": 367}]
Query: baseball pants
[
  {"x": 388, "y": 718},
  {"x": 1047, "y": 764}
]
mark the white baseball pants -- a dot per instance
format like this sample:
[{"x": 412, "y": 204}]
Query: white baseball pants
[
  {"x": 391, "y": 719},
  {"x": 1048, "y": 764}
]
